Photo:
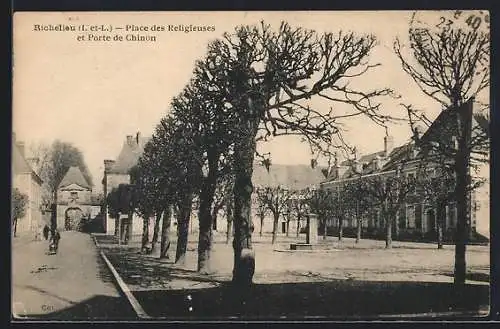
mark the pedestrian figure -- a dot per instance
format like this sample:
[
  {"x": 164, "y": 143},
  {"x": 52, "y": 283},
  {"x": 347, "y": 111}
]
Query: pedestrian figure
[
  {"x": 54, "y": 241},
  {"x": 46, "y": 231}
]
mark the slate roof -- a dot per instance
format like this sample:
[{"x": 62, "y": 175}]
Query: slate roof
[
  {"x": 74, "y": 176},
  {"x": 442, "y": 128},
  {"x": 294, "y": 177},
  {"x": 129, "y": 155}
]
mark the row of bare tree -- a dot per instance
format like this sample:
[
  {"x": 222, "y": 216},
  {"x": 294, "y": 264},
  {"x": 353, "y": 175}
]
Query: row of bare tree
[{"x": 258, "y": 83}]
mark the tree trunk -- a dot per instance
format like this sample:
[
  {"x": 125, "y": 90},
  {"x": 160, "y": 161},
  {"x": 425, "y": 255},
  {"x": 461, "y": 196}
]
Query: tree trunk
[
  {"x": 117, "y": 227},
  {"x": 15, "y": 227},
  {"x": 183, "y": 229},
  {"x": 325, "y": 227},
  {"x": 440, "y": 211},
  {"x": 388, "y": 235},
  {"x": 358, "y": 229},
  {"x": 244, "y": 255},
  {"x": 205, "y": 217},
  {"x": 156, "y": 230},
  {"x": 464, "y": 120},
  {"x": 130, "y": 226},
  {"x": 145, "y": 234},
  {"x": 214, "y": 221},
  {"x": 261, "y": 224},
  {"x": 229, "y": 222},
  {"x": 275, "y": 228},
  {"x": 341, "y": 228},
  {"x": 288, "y": 227},
  {"x": 165, "y": 232},
  {"x": 396, "y": 225},
  {"x": 298, "y": 226}
]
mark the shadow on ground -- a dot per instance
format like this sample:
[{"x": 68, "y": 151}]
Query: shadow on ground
[
  {"x": 334, "y": 299},
  {"x": 96, "y": 308},
  {"x": 330, "y": 298},
  {"x": 473, "y": 276}
]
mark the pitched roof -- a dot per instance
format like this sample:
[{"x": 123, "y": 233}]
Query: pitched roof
[
  {"x": 74, "y": 176},
  {"x": 21, "y": 166},
  {"x": 294, "y": 177},
  {"x": 19, "y": 163},
  {"x": 129, "y": 155}
]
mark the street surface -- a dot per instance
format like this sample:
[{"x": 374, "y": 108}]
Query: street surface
[
  {"x": 338, "y": 280},
  {"x": 74, "y": 284}
]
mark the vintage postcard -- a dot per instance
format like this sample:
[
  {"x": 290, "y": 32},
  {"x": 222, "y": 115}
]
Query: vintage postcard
[{"x": 255, "y": 166}]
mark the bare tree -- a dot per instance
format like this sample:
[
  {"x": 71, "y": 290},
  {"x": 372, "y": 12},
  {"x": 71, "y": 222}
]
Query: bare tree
[
  {"x": 276, "y": 199},
  {"x": 437, "y": 186},
  {"x": 389, "y": 192},
  {"x": 451, "y": 65},
  {"x": 322, "y": 203},
  {"x": 262, "y": 208},
  {"x": 272, "y": 77},
  {"x": 299, "y": 206}
]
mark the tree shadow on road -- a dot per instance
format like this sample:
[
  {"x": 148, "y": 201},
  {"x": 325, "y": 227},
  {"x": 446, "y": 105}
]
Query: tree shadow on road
[{"x": 147, "y": 272}]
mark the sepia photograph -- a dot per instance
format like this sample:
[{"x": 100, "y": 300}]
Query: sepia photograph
[{"x": 250, "y": 166}]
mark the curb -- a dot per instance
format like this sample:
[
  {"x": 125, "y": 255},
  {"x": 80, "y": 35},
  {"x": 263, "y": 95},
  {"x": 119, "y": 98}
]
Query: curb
[{"x": 123, "y": 286}]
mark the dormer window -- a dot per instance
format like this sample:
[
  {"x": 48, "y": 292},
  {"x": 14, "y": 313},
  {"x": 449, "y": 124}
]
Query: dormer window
[{"x": 73, "y": 196}]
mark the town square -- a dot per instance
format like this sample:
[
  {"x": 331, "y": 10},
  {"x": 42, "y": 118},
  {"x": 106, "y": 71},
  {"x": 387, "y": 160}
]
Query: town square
[{"x": 264, "y": 166}]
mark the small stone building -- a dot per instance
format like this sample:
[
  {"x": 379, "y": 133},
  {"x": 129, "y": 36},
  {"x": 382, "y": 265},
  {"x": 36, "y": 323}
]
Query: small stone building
[{"x": 75, "y": 202}]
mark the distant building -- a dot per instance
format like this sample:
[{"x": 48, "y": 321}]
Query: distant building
[
  {"x": 75, "y": 201},
  {"x": 29, "y": 183},
  {"x": 418, "y": 218},
  {"x": 116, "y": 172},
  {"x": 296, "y": 177}
]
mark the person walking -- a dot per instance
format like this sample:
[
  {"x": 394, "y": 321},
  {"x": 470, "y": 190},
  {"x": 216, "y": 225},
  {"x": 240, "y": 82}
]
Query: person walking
[
  {"x": 46, "y": 231},
  {"x": 55, "y": 239}
]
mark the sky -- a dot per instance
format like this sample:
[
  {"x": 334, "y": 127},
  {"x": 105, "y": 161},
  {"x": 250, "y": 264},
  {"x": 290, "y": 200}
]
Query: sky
[{"x": 94, "y": 93}]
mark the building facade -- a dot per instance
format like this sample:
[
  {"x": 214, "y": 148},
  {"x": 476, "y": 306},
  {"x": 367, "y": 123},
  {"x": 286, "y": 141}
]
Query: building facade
[
  {"x": 28, "y": 182},
  {"x": 116, "y": 172},
  {"x": 417, "y": 218}
]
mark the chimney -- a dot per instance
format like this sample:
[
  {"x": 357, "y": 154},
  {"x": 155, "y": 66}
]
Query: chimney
[
  {"x": 417, "y": 133},
  {"x": 378, "y": 162},
  {"x": 108, "y": 164},
  {"x": 340, "y": 171},
  {"x": 130, "y": 140},
  {"x": 20, "y": 146},
  {"x": 358, "y": 166},
  {"x": 138, "y": 137},
  {"x": 388, "y": 145}
]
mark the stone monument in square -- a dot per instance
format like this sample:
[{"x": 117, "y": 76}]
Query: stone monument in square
[{"x": 311, "y": 234}]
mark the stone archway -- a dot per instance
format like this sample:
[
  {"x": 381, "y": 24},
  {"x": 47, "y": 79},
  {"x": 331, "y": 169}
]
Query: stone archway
[{"x": 72, "y": 219}]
